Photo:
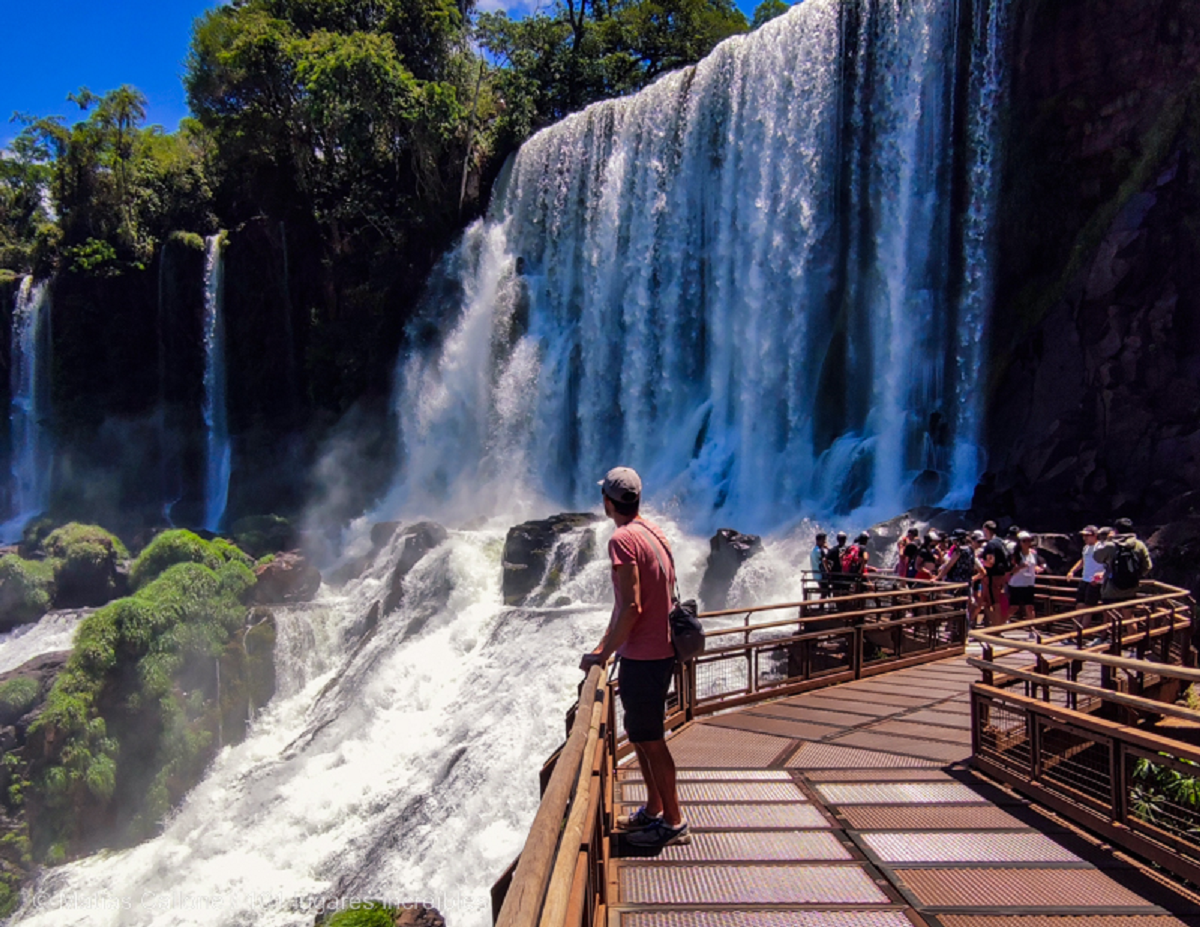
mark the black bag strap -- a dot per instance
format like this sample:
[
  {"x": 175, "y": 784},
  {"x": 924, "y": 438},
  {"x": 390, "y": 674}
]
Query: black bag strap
[{"x": 672, "y": 579}]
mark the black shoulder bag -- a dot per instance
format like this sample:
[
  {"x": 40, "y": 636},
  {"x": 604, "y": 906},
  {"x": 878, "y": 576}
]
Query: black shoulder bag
[{"x": 687, "y": 634}]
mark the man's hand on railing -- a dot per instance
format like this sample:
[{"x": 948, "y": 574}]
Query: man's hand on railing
[{"x": 592, "y": 659}]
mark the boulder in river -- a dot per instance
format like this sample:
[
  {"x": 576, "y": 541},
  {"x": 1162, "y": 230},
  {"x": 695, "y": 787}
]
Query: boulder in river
[
  {"x": 534, "y": 560},
  {"x": 728, "y": 550},
  {"x": 415, "y": 542},
  {"x": 286, "y": 579}
]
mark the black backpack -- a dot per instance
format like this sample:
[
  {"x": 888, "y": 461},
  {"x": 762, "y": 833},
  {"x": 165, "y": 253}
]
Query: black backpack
[{"x": 1126, "y": 567}]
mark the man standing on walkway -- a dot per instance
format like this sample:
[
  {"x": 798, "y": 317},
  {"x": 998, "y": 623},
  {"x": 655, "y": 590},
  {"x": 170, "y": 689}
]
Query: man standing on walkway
[{"x": 639, "y": 634}]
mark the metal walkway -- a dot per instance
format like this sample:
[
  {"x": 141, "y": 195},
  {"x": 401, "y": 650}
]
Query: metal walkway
[{"x": 853, "y": 806}]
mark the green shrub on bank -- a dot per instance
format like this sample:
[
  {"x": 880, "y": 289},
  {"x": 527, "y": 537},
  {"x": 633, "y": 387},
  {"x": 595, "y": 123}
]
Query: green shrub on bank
[
  {"x": 368, "y": 914},
  {"x": 17, "y": 696},
  {"x": 181, "y": 546},
  {"x": 86, "y": 558},
  {"x": 259, "y": 535},
  {"x": 26, "y": 589},
  {"x": 129, "y": 722}
]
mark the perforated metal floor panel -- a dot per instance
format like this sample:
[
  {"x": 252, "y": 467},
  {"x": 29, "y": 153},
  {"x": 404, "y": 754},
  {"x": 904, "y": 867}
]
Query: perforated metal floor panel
[
  {"x": 928, "y": 817},
  {"x": 748, "y": 885},
  {"x": 760, "y": 846},
  {"x": 713, "y": 747},
  {"x": 939, "y": 718},
  {"x": 878, "y": 775},
  {"x": 757, "y": 817},
  {"x": 967, "y": 847},
  {"x": 1018, "y": 888},
  {"x": 896, "y": 793},
  {"x": 710, "y": 918},
  {"x": 906, "y": 728},
  {"x": 721, "y": 792},
  {"x": 1051, "y": 920},
  {"x": 815, "y": 715},
  {"x": 784, "y": 728},
  {"x": 832, "y": 756},
  {"x": 715, "y": 775},
  {"x": 926, "y": 749}
]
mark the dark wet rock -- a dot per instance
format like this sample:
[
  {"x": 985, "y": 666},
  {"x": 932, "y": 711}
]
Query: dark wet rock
[
  {"x": 259, "y": 535},
  {"x": 535, "y": 562},
  {"x": 381, "y": 535},
  {"x": 23, "y": 690},
  {"x": 1175, "y": 550},
  {"x": 727, "y": 551},
  {"x": 287, "y": 579},
  {"x": 415, "y": 542},
  {"x": 1094, "y": 381}
]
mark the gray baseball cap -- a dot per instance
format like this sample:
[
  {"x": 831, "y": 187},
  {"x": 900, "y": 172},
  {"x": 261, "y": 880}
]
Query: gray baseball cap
[{"x": 622, "y": 484}]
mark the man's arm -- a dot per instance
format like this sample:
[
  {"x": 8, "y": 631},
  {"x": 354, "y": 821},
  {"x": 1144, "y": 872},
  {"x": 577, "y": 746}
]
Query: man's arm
[{"x": 629, "y": 585}]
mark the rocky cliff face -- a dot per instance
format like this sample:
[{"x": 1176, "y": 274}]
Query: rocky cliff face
[{"x": 1094, "y": 397}]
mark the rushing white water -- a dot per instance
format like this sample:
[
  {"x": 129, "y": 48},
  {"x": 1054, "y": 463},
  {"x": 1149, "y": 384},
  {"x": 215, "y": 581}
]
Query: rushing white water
[
  {"x": 218, "y": 448},
  {"x": 29, "y": 414},
  {"x": 52, "y": 633},
  {"x": 741, "y": 281},
  {"x": 404, "y": 768}
]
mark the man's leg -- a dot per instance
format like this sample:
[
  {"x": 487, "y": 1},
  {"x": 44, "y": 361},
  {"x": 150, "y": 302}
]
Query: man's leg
[
  {"x": 654, "y": 802},
  {"x": 658, "y": 766}
]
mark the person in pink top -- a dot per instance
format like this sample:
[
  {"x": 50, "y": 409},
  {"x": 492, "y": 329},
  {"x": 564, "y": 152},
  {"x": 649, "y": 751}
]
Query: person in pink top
[{"x": 639, "y": 633}]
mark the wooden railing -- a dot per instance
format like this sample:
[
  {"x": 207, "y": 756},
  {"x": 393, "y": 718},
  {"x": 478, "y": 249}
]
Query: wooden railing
[
  {"x": 561, "y": 877},
  {"x": 1080, "y": 709}
]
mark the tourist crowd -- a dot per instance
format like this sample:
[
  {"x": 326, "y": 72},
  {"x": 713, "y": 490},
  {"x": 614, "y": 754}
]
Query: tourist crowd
[{"x": 1000, "y": 572}]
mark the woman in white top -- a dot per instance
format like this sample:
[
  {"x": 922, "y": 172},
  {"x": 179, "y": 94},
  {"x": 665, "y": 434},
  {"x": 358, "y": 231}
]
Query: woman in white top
[
  {"x": 1021, "y": 580},
  {"x": 1091, "y": 571}
]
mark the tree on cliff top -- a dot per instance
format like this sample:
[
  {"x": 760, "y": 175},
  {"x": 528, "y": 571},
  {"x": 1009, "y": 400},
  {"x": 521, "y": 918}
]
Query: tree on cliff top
[{"x": 553, "y": 64}]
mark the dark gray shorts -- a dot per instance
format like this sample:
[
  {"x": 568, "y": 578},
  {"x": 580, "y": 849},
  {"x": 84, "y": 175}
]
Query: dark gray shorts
[
  {"x": 1020, "y": 596},
  {"x": 643, "y": 685}
]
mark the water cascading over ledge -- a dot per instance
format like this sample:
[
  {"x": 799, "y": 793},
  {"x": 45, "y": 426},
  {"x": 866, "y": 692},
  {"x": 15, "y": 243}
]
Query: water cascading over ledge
[
  {"x": 218, "y": 451},
  {"x": 29, "y": 413},
  {"x": 764, "y": 281}
]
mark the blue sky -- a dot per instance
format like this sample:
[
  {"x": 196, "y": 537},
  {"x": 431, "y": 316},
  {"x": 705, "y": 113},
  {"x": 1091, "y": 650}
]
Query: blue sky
[{"x": 54, "y": 47}]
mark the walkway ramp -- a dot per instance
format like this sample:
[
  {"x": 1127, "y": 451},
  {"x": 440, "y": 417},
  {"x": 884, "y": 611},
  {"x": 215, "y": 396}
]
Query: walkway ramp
[{"x": 853, "y": 806}]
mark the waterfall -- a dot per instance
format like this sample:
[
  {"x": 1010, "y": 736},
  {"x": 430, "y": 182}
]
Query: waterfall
[
  {"x": 29, "y": 414},
  {"x": 217, "y": 446},
  {"x": 749, "y": 281}
]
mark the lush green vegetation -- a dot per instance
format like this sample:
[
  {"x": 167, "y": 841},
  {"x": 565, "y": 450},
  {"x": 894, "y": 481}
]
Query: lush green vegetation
[
  {"x": 580, "y": 52},
  {"x": 132, "y": 719},
  {"x": 181, "y": 546},
  {"x": 367, "y": 914},
  {"x": 26, "y": 588},
  {"x": 17, "y": 696},
  {"x": 85, "y": 559}
]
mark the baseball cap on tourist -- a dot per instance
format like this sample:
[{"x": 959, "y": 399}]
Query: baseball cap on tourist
[
  {"x": 1124, "y": 525},
  {"x": 622, "y": 484},
  {"x": 1089, "y": 529},
  {"x": 1024, "y": 536}
]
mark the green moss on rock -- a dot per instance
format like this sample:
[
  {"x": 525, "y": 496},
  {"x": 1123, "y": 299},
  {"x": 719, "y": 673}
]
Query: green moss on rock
[
  {"x": 26, "y": 589},
  {"x": 17, "y": 696},
  {"x": 181, "y": 546},
  {"x": 133, "y": 718},
  {"x": 86, "y": 559}
]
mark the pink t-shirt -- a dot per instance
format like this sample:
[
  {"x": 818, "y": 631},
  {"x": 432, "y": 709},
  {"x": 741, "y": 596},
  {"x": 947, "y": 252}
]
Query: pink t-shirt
[{"x": 651, "y": 635}]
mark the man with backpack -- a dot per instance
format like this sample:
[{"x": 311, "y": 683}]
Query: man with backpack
[
  {"x": 995, "y": 566},
  {"x": 1126, "y": 561},
  {"x": 639, "y": 632},
  {"x": 854, "y": 561}
]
